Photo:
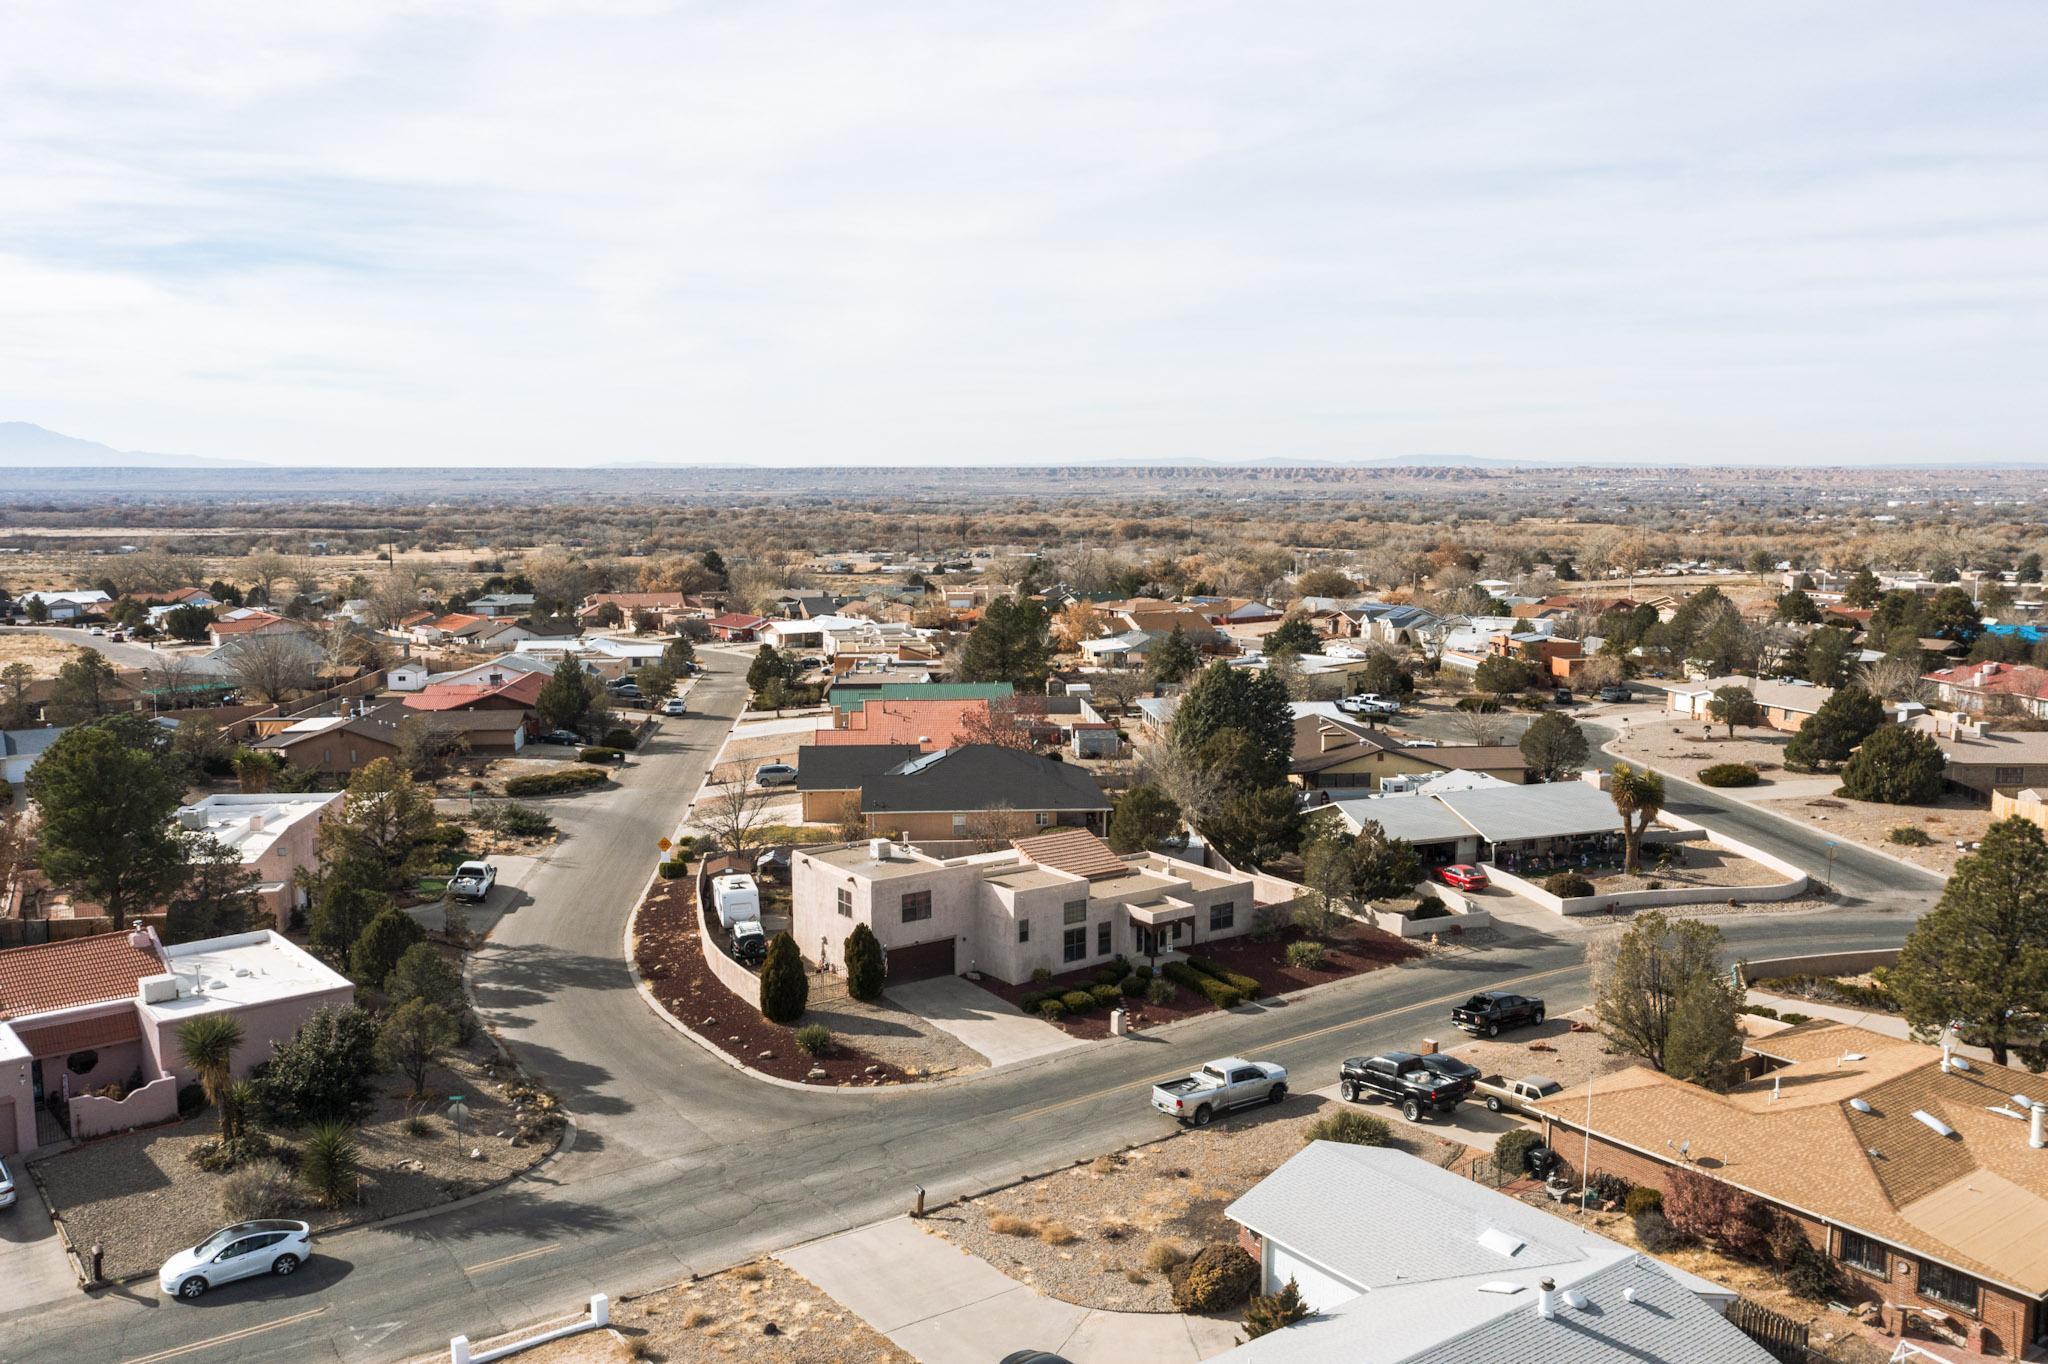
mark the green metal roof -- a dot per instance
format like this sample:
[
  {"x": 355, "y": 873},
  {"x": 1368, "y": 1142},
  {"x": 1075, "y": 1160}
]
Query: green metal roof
[{"x": 848, "y": 695}]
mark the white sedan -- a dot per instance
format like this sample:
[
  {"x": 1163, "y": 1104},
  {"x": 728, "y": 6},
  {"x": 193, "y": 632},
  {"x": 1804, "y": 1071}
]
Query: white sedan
[{"x": 239, "y": 1252}]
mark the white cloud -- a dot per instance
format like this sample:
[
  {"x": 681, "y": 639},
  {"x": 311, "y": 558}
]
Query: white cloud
[{"x": 797, "y": 232}]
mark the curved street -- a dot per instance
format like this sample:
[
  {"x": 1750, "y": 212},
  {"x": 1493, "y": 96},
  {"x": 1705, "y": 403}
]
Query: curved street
[{"x": 682, "y": 1164}]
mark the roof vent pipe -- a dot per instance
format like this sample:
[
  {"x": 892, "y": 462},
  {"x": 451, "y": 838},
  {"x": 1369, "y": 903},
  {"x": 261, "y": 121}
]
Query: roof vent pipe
[
  {"x": 1546, "y": 1301},
  {"x": 2037, "y": 1130}
]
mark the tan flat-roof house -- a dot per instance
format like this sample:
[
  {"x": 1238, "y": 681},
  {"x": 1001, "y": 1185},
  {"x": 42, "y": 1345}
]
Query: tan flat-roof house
[{"x": 1061, "y": 901}]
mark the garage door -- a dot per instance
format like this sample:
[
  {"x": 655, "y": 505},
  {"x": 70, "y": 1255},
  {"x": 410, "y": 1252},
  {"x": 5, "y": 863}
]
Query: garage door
[
  {"x": 1320, "y": 1289},
  {"x": 7, "y": 1142},
  {"x": 921, "y": 961}
]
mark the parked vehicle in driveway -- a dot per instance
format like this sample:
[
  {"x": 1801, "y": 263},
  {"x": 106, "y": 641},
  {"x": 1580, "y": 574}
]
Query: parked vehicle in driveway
[
  {"x": 775, "y": 774},
  {"x": 1616, "y": 693},
  {"x": 1561, "y": 696},
  {"x": 1463, "y": 876},
  {"x": 562, "y": 736},
  {"x": 1220, "y": 1086},
  {"x": 735, "y": 897},
  {"x": 1450, "y": 1066},
  {"x": 748, "y": 942},
  {"x": 1400, "y": 1077},
  {"x": 6, "y": 1186},
  {"x": 242, "y": 1251},
  {"x": 1487, "y": 1012},
  {"x": 1369, "y": 703},
  {"x": 673, "y": 706},
  {"x": 472, "y": 881},
  {"x": 1515, "y": 1093}
]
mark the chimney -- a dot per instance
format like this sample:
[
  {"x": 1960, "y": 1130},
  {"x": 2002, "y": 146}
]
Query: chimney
[
  {"x": 256, "y": 824},
  {"x": 2037, "y": 1130},
  {"x": 1546, "y": 1300}
]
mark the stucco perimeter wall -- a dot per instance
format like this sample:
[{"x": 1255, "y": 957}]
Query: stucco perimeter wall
[
  {"x": 1820, "y": 964},
  {"x": 730, "y": 973},
  {"x": 1465, "y": 913},
  {"x": 155, "y": 1102},
  {"x": 1792, "y": 886}
]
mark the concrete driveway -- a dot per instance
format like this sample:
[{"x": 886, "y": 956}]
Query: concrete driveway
[
  {"x": 33, "y": 1267},
  {"x": 980, "y": 1020},
  {"x": 948, "y": 1307}
]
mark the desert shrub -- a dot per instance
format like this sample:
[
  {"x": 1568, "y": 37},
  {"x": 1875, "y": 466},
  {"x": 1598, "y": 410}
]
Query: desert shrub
[
  {"x": 259, "y": 1190},
  {"x": 1133, "y": 987},
  {"x": 1162, "y": 1256},
  {"x": 328, "y": 1162},
  {"x": 1657, "y": 1235},
  {"x": 1759, "y": 1010},
  {"x": 510, "y": 817},
  {"x": 1109, "y": 975},
  {"x": 1429, "y": 905},
  {"x": 1483, "y": 705},
  {"x": 324, "y": 1071},
  {"x": 1707, "y": 1209},
  {"x": 1307, "y": 955},
  {"x": 674, "y": 869},
  {"x": 1352, "y": 1128},
  {"x": 1008, "y": 1224},
  {"x": 1160, "y": 991},
  {"x": 1041, "y": 975},
  {"x": 1051, "y": 1010},
  {"x": 1811, "y": 1275},
  {"x": 1246, "y": 987},
  {"x": 1909, "y": 836},
  {"x": 1078, "y": 1001},
  {"x": 1511, "y": 1149},
  {"x": 1107, "y": 995},
  {"x": 1274, "y": 1311},
  {"x": 1567, "y": 885},
  {"x": 1221, "y": 1278},
  {"x": 1029, "y": 1001},
  {"x": 1608, "y": 1187},
  {"x": 555, "y": 783},
  {"x": 1830, "y": 989},
  {"x": 231, "y": 1153},
  {"x": 619, "y": 737},
  {"x": 1057, "y": 1234},
  {"x": 814, "y": 1039},
  {"x": 597, "y": 754},
  {"x": 1641, "y": 1199},
  {"x": 1729, "y": 774},
  {"x": 447, "y": 836},
  {"x": 1215, "y": 991}
]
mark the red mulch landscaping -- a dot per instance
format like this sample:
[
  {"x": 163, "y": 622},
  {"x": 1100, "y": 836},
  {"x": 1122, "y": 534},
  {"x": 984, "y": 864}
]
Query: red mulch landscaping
[
  {"x": 671, "y": 961},
  {"x": 1351, "y": 951}
]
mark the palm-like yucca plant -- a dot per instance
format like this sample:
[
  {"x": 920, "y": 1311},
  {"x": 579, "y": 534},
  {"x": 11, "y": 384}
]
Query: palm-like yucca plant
[
  {"x": 328, "y": 1162},
  {"x": 1638, "y": 795},
  {"x": 208, "y": 1043}
]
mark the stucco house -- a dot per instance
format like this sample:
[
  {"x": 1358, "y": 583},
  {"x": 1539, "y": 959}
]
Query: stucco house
[
  {"x": 101, "y": 1012},
  {"x": 1062, "y": 901},
  {"x": 277, "y": 835}
]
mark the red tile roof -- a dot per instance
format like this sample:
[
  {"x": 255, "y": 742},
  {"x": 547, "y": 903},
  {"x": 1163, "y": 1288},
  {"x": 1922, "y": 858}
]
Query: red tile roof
[
  {"x": 61, "y": 1039},
  {"x": 735, "y": 621},
  {"x": 2004, "y": 679},
  {"x": 243, "y": 625},
  {"x": 523, "y": 688},
  {"x": 60, "y": 975}
]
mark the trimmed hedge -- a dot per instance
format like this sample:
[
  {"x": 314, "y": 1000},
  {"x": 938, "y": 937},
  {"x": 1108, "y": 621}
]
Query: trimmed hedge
[
  {"x": 1050, "y": 1010},
  {"x": 1107, "y": 995},
  {"x": 554, "y": 783},
  {"x": 620, "y": 738},
  {"x": 1215, "y": 991},
  {"x": 1077, "y": 1001},
  {"x": 1132, "y": 987},
  {"x": 1568, "y": 885},
  {"x": 600, "y": 755},
  {"x": 674, "y": 868},
  {"x": 1729, "y": 774},
  {"x": 1244, "y": 985}
]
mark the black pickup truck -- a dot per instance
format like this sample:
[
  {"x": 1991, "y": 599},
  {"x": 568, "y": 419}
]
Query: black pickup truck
[
  {"x": 1487, "y": 1013},
  {"x": 1401, "y": 1078}
]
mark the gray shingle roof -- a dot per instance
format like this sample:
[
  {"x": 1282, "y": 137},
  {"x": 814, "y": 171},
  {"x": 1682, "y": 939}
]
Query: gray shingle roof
[
  {"x": 898, "y": 778},
  {"x": 1546, "y": 810}
]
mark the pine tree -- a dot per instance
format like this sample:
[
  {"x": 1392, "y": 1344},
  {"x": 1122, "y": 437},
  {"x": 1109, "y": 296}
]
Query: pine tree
[
  {"x": 785, "y": 990},
  {"x": 1831, "y": 733},
  {"x": 1555, "y": 747},
  {"x": 1895, "y": 766},
  {"x": 1253, "y": 703},
  {"x": 565, "y": 700},
  {"x": 1011, "y": 644},
  {"x": 106, "y": 831},
  {"x": 1143, "y": 817},
  {"x": 1733, "y": 707},
  {"x": 863, "y": 963},
  {"x": 1268, "y": 1312},
  {"x": 1171, "y": 660},
  {"x": 377, "y": 951},
  {"x": 1294, "y": 637}
]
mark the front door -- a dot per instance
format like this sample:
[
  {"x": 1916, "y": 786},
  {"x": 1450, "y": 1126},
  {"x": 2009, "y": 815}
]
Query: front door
[{"x": 35, "y": 1074}]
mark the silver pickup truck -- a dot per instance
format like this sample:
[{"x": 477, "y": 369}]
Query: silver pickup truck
[{"x": 1232, "y": 1082}]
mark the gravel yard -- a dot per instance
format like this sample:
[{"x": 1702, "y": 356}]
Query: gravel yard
[
  {"x": 1551, "y": 1049},
  {"x": 138, "y": 1195},
  {"x": 1685, "y": 746},
  {"x": 1084, "y": 1235},
  {"x": 727, "y": 1316},
  {"x": 741, "y": 755},
  {"x": 1696, "y": 864},
  {"x": 1944, "y": 822}
]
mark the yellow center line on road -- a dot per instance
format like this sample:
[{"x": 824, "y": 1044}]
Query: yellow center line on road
[
  {"x": 513, "y": 1259},
  {"x": 230, "y": 1338},
  {"x": 1511, "y": 985}
]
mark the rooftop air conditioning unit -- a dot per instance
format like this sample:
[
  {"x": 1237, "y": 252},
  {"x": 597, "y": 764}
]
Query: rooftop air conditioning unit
[
  {"x": 879, "y": 849},
  {"x": 161, "y": 989},
  {"x": 192, "y": 817}
]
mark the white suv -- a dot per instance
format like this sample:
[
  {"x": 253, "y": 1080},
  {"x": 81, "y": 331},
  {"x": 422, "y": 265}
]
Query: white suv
[{"x": 238, "y": 1252}]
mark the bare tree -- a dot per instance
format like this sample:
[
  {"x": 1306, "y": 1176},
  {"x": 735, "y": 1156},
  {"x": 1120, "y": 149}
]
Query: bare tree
[
  {"x": 1113, "y": 692},
  {"x": 396, "y": 594},
  {"x": 737, "y": 818},
  {"x": 273, "y": 666},
  {"x": 1184, "y": 781},
  {"x": 1482, "y": 726},
  {"x": 265, "y": 570},
  {"x": 994, "y": 829},
  {"x": 1894, "y": 679}
]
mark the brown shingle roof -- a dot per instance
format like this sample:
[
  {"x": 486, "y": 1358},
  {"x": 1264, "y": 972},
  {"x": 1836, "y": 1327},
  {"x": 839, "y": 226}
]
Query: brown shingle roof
[{"x": 59, "y": 975}]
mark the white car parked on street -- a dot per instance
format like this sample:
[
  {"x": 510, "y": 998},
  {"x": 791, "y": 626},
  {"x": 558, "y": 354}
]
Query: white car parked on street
[{"x": 242, "y": 1251}]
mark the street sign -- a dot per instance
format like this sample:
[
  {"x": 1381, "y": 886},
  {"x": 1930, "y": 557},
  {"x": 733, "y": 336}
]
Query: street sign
[{"x": 665, "y": 845}]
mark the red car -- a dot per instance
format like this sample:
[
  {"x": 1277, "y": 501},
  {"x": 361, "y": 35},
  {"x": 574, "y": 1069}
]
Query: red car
[{"x": 1463, "y": 875}]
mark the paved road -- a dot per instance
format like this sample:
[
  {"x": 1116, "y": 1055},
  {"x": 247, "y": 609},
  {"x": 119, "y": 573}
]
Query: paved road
[
  {"x": 685, "y": 1165},
  {"x": 123, "y": 655}
]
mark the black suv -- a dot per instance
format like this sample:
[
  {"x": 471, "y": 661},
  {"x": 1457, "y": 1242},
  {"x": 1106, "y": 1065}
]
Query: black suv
[{"x": 1401, "y": 1077}]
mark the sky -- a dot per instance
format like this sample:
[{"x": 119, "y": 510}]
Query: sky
[{"x": 875, "y": 233}]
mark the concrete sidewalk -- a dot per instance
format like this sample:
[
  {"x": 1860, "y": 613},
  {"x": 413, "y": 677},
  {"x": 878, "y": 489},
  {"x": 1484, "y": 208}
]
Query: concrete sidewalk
[
  {"x": 948, "y": 1307},
  {"x": 981, "y": 1020}
]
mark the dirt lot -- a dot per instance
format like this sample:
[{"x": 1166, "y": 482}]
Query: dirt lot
[
  {"x": 1945, "y": 822},
  {"x": 1083, "y": 1235},
  {"x": 43, "y": 654},
  {"x": 727, "y": 1316},
  {"x": 138, "y": 1195},
  {"x": 1696, "y": 864},
  {"x": 1551, "y": 1048},
  {"x": 1684, "y": 747},
  {"x": 872, "y": 1043}
]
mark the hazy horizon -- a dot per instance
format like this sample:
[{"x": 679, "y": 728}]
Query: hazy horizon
[{"x": 621, "y": 233}]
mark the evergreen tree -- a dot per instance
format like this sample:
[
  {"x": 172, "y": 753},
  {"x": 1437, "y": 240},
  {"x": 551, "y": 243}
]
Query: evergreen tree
[
  {"x": 1735, "y": 707},
  {"x": 1011, "y": 644},
  {"x": 1831, "y": 733},
  {"x": 1796, "y": 608},
  {"x": 84, "y": 689},
  {"x": 1863, "y": 590},
  {"x": 1555, "y": 747},
  {"x": 424, "y": 974},
  {"x": 1384, "y": 675},
  {"x": 784, "y": 987},
  {"x": 106, "y": 831},
  {"x": 1981, "y": 956},
  {"x": 341, "y": 911},
  {"x": 1663, "y": 996},
  {"x": 218, "y": 896},
  {"x": 414, "y": 1035},
  {"x": 1382, "y": 867},
  {"x": 1827, "y": 656},
  {"x": 1951, "y": 614},
  {"x": 769, "y": 665},
  {"x": 1255, "y": 703},
  {"x": 1268, "y": 1312},
  {"x": 376, "y": 953},
  {"x": 565, "y": 700},
  {"x": 1894, "y": 766},
  {"x": 1502, "y": 676},
  {"x": 1172, "y": 659},
  {"x": 1294, "y": 637},
  {"x": 863, "y": 964},
  {"x": 378, "y": 837},
  {"x": 1143, "y": 817}
]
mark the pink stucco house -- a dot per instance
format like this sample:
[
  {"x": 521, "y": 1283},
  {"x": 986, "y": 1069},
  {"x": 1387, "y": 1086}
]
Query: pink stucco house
[
  {"x": 278, "y": 836},
  {"x": 102, "y": 1011}
]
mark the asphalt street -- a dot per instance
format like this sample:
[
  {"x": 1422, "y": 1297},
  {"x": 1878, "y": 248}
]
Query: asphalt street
[
  {"x": 121, "y": 655},
  {"x": 683, "y": 1165}
]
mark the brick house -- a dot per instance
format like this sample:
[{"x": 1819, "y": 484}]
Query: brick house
[
  {"x": 1919, "y": 1179},
  {"x": 946, "y": 793}
]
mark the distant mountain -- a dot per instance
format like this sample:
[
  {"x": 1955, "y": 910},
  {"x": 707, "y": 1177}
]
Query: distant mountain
[{"x": 24, "y": 445}]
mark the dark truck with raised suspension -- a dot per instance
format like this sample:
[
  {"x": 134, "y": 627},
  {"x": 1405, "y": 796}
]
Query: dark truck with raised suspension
[{"x": 1401, "y": 1078}]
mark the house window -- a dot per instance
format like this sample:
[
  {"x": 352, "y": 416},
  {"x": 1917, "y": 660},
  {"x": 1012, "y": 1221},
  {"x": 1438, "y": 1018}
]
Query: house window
[
  {"x": 1948, "y": 1285},
  {"x": 1023, "y": 930},
  {"x": 1077, "y": 912},
  {"x": 82, "y": 1062},
  {"x": 1102, "y": 939},
  {"x": 845, "y": 902},
  {"x": 1222, "y": 916},
  {"x": 1860, "y": 1252},
  {"x": 1076, "y": 945},
  {"x": 959, "y": 824},
  {"x": 1043, "y": 818},
  {"x": 917, "y": 905},
  {"x": 2008, "y": 776}
]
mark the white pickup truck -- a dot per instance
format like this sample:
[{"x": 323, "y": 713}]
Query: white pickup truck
[
  {"x": 472, "y": 881},
  {"x": 1220, "y": 1086}
]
